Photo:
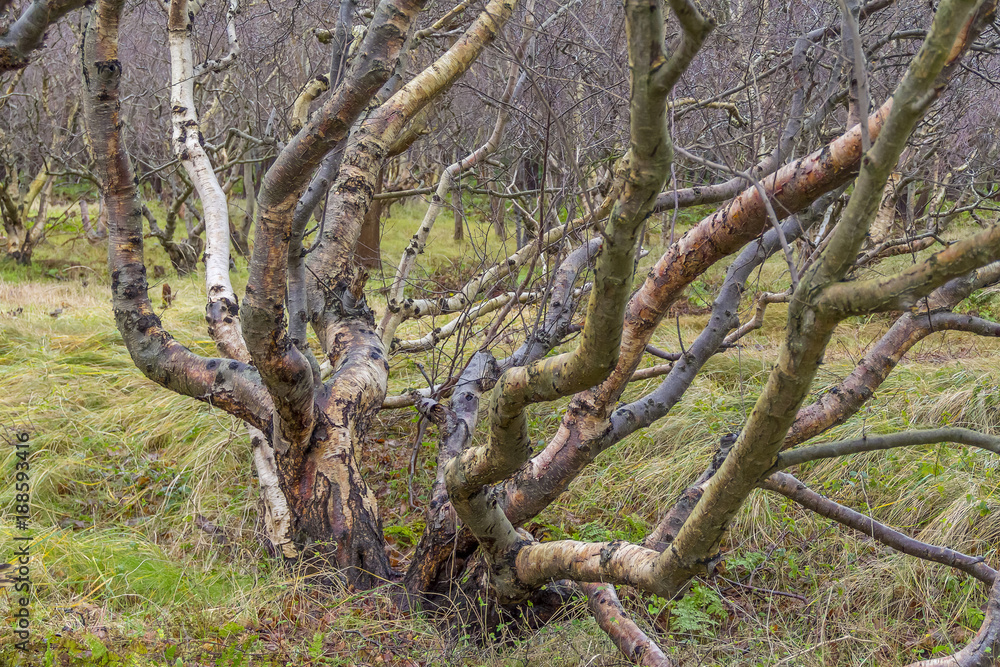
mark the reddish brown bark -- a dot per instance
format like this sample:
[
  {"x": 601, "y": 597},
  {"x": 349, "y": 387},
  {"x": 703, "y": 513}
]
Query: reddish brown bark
[
  {"x": 841, "y": 402},
  {"x": 792, "y": 187}
]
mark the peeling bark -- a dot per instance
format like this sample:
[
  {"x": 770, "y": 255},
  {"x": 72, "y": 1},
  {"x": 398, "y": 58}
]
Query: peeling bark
[
  {"x": 635, "y": 645},
  {"x": 276, "y": 513},
  {"x": 550, "y": 472}
]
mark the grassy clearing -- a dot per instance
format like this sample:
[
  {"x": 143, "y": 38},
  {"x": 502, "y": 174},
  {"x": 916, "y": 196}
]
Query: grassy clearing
[{"x": 145, "y": 508}]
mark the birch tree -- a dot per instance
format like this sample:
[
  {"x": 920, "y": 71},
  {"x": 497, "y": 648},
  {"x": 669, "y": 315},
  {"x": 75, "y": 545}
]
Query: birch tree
[{"x": 302, "y": 363}]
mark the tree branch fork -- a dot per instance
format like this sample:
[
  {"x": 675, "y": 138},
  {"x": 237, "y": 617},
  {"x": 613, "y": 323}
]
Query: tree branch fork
[{"x": 310, "y": 429}]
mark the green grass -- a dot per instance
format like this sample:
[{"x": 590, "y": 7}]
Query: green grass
[{"x": 123, "y": 472}]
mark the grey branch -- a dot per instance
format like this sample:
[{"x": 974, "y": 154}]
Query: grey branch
[{"x": 793, "y": 489}]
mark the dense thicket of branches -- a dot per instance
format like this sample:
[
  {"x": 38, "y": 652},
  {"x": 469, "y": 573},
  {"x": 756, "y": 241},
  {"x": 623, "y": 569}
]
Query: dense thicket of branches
[{"x": 836, "y": 136}]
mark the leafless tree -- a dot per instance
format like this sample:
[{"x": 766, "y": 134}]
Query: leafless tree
[{"x": 817, "y": 136}]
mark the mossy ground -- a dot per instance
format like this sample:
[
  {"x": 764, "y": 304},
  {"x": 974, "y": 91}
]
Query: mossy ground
[{"x": 146, "y": 545}]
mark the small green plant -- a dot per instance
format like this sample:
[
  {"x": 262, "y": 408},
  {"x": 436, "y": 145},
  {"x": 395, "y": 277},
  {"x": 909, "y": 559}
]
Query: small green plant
[
  {"x": 698, "y": 613},
  {"x": 97, "y": 648},
  {"x": 593, "y": 532},
  {"x": 405, "y": 535},
  {"x": 655, "y": 605},
  {"x": 316, "y": 646},
  {"x": 744, "y": 563},
  {"x": 229, "y": 629}
]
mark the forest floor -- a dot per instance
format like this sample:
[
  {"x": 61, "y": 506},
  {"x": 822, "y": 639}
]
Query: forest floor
[{"x": 147, "y": 551}]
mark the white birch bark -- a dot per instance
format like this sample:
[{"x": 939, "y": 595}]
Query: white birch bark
[
  {"x": 277, "y": 515},
  {"x": 222, "y": 310}
]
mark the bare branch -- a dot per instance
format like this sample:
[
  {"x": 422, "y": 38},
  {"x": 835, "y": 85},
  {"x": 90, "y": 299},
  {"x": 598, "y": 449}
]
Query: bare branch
[
  {"x": 757, "y": 321},
  {"x": 27, "y": 33},
  {"x": 875, "y": 443},
  {"x": 851, "y": 38},
  {"x": 793, "y": 489},
  {"x": 220, "y": 64},
  {"x": 634, "y": 644}
]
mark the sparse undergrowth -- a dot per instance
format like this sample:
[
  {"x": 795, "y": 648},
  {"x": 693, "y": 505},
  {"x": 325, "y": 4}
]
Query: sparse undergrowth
[{"x": 147, "y": 548}]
